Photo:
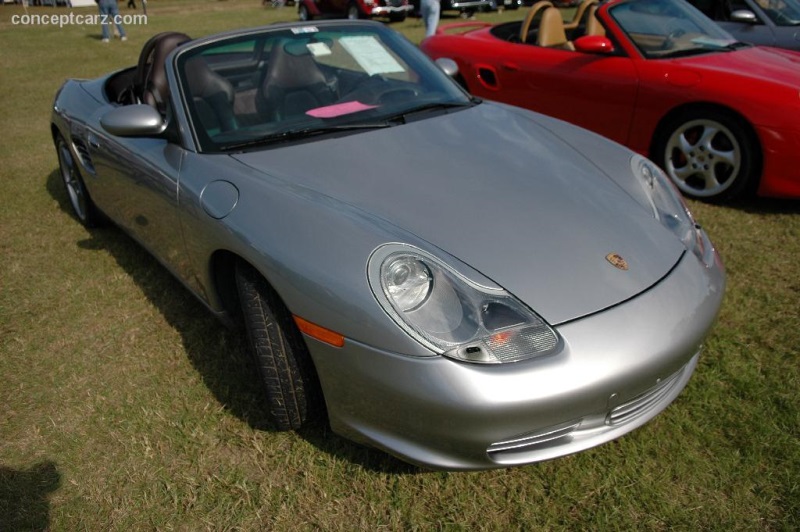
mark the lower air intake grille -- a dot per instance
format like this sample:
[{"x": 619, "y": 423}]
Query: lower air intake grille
[
  {"x": 640, "y": 404},
  {"x": 529, "y": 441}
]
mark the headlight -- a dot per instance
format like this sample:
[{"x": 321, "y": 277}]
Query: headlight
[
  {"x": 452, "y": 315},
  {"x": 666, "y": 202}
]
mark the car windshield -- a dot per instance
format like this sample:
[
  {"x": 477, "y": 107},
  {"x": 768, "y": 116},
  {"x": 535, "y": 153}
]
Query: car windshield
[
  {"x": 670, "y": 28},
  {"x": 781, "y": 12},
  {"x": 304, "y": 81}
]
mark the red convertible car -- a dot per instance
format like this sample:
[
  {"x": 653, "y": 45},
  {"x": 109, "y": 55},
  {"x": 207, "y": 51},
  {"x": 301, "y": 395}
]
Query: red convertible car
[{"x": 721, "y": 117}]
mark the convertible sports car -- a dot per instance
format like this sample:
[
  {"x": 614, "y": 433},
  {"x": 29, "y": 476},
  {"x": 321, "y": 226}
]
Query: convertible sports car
[
  {"x": 719, "y": 116},
  {"x": 764, "y": 22},
  {"x": 336, "y": 189}
]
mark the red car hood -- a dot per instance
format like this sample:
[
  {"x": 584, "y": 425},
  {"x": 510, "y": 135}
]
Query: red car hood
[{"x": 757, "y": 63}]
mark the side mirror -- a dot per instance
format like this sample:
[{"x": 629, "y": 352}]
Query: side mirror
[
  {"x": 448, "y": 66},
  {"x": 593, "y": 44},
  {"x": 745, "y": 16},
  {"x": 134, "y": 121}
]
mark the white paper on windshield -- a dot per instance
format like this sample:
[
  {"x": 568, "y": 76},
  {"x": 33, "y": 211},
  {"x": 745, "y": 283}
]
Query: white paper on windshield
[
  {"x": 371, "y": 55},
  {"x": 318, "y": 48},
  {"x": 304, "y": 29}
]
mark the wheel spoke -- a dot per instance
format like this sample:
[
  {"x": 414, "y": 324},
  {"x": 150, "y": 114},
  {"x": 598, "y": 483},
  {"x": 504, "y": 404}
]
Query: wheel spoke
[
  {"x": 683, "y": 173},
  {"x": 709, "y": 179},
  {"x": 684, "y": 144},
  {"x": 709, "y": 132}
]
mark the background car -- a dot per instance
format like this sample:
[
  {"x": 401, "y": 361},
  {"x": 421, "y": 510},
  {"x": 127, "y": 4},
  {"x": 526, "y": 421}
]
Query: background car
[
  {"x": 763, "y": 22},
  {"x": 333, "y": 189},
  {"x": 466, "y": 6},
  {"x": 394, "y": 10},
  {"x": 718, "y": 115}
]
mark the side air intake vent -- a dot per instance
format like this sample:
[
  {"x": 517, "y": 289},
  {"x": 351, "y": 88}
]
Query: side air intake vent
[{"x": 83, "y": 155}]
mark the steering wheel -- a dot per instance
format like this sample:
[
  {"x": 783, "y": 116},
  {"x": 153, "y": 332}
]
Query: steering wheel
[
  {"x": 380, "y": 90},
  {"x": 669, "y": 42}
]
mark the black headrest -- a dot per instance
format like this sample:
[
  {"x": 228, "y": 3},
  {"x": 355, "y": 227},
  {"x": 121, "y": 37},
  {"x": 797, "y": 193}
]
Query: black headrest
[
  {"x": 150, "y": 82},
  {"x": 292, "y": 67}
]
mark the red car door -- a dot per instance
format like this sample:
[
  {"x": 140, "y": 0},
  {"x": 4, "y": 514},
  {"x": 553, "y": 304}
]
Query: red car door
[{"x": 597, "y": 92}]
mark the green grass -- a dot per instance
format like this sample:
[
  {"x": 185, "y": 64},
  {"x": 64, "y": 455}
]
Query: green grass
[{"x": 123, "y": 404}]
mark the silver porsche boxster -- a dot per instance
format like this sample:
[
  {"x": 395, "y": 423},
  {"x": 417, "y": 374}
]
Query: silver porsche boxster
[{"x": 463, "y": 284}]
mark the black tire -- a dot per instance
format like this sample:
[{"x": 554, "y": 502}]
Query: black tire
[
  {"x": 397, "y": 17},
  {"x": 710, "y": 154},
  {"x": 303, "y": 13},
  {"x": 82, "y": 205},
  {"x": 280, "y": 353},
  {"x": 353, "y": 13}
]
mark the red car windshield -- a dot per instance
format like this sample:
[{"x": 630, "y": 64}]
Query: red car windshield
[{"x": 669, "y": 28}]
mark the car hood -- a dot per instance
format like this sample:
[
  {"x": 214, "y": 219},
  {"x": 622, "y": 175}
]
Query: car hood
[
  {"x": 493, "y": 188},
  {"x": 760, "y": 63}
]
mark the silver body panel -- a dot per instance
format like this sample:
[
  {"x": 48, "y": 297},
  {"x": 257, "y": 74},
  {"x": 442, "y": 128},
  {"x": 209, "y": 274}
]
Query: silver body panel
[{"x": 506, "y": 197}]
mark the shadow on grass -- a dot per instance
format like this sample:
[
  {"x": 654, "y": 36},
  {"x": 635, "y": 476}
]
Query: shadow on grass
[
  {"x": 220, "y": 355},
  {"x": 767, "y": 206},
  {"x": 24, "y": 496}
]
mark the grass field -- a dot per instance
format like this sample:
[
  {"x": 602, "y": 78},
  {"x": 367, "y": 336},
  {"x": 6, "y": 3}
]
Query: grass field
[{"x": 123, "y": 405}]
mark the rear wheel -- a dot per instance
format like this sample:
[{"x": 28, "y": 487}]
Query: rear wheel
[
  {"x": 82, "y": 205},
  {"x": 397, "y": 17},
  {"x": 709, "y": 154},
  {"x": 303, "y": 13},
  {"x": 286, "y": 369}
]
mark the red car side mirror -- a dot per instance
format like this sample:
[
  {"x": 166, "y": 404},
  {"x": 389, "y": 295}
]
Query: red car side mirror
[{"x": 593, "y": 44}]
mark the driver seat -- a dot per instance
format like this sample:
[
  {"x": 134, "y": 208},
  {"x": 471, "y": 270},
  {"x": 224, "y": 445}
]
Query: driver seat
[
  {"x": 293, "y": 83},
  {"x": 593, "y": 26},
  {"x": 150, "y": 80},
  {"x": 580, "y": 17},
  {"x": 212, "y": 95}
]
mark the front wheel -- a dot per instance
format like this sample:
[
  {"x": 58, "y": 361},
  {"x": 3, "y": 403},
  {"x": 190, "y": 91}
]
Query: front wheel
[
  {"x": 283, "y": 361},
  {"x": 397, "y": 17},
  {"x": 303, "y": 13},
  {"x": 82, "y": 205},
  {"x": 710, "y": 154}
]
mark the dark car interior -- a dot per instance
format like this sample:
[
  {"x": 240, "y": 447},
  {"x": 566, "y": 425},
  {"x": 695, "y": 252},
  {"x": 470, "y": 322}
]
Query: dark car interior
[{"x": 264, "y": 83}]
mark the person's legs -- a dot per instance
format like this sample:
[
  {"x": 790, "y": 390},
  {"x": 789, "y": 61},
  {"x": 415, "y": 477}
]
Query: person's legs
[
  {"x": 104, "y": 19},
  {"x": 429, "y": 9},
  {"x": 115, "y": 18}
]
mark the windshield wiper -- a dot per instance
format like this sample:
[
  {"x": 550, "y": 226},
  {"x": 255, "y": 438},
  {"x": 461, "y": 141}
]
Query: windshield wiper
[
  {"x": 294, "y": 134},
  {"x": 738, "y": 45},
  {"x": 431, "y": 106},
  {"x": 706, "y": 48}
]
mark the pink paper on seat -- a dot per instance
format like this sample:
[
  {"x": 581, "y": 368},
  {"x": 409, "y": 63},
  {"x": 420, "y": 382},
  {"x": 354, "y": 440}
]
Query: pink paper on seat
[{"x": 339, "y": 109}]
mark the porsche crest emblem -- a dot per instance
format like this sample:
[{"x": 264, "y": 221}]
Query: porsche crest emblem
[{"x": 616, "y": 260}]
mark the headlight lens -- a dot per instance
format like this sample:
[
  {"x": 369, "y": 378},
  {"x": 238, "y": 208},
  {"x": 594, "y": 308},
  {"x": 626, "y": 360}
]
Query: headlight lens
[
  {"x": 667, "y": 203},
  {"x": 450, "y": 314},
  {"x": 407, "y": 282}
]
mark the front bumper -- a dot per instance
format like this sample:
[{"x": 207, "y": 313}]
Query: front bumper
[{"x": 618, "y": 369}]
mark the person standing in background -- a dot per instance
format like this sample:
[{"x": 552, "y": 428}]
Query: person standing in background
[
  {"x": 429, "y": 9},
  {"x": 109, "y": 14}
]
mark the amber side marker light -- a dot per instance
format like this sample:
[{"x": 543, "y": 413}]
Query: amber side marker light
[{"x": 320, "y": 333}]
